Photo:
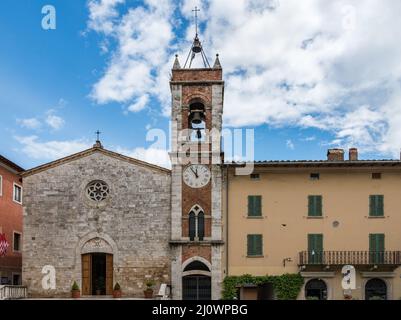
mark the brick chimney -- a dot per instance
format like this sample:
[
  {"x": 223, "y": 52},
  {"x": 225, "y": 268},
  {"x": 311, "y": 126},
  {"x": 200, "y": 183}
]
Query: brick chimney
[
  {"x": 335, "y": 155},
  {"x": 353, "y": 154}
]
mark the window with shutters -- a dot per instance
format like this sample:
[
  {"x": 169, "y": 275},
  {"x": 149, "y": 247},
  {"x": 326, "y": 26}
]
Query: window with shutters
[
  {"x": 315, "y": 248},
  {"x": 315, "y": 206},
  {"x": 376, "y": 248},
  {"x": 254, "y": 206},
  {"x": 376, "y": 206},
  {"x": 255, "y": 245}
]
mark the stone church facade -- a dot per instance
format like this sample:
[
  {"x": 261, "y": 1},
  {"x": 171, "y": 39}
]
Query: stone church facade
[{"x": 96, "y": 212}]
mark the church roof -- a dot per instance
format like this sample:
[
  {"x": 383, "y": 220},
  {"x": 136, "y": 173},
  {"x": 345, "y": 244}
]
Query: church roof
[{"x": 88, "y": 152}]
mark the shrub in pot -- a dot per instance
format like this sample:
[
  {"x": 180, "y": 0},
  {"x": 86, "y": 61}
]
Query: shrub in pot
[
  {"x": 149, "y": 289},
  {"x": 117, "y": 291},
  {"x": 75, "y": 292}
]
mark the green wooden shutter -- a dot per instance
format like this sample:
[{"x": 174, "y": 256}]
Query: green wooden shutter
[
  {"x": 250, "y": 205},
  {"x": 318, "y": 204},
  {"x": 315, "y": 248},
  {"x": 258, "y": 206},
  {"x": 376, "y": 205},
  {"x": 314, "y": 206},
  {"x": 255, "y": 245},
  {"x": 372, "y": 206},
  {"x": 380, "y": 206},
  {"x": 254, "y": 206},
  {"x": 376, "y": 247},
  {"x": 311, "y": 212},
  {"x": 259, "y": 245}
]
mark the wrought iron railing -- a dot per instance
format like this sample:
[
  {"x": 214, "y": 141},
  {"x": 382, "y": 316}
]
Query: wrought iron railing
[
  {"x": 350, "y": 257},
  {"x": 12, "y": 292}
]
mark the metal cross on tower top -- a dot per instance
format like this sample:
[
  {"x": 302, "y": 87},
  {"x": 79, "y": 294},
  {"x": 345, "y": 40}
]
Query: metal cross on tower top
[
  {"x": 196, "y": 10},
  {"x": 196, "y": 46},
  {"x": 97, "y": 135}
]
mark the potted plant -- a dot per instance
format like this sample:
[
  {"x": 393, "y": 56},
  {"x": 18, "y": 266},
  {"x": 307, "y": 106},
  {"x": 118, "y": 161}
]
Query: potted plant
[
  {"x": 117, "y": 291},
  {"x": 149, "y": 289},
  {"x": 75, "y": 292}
]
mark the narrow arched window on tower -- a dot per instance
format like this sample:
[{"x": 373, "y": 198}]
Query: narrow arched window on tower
[
  {"x": 196, "y": 225},
  {"x": 201, "y": 226},
  {"x": 192, "y": 226}
]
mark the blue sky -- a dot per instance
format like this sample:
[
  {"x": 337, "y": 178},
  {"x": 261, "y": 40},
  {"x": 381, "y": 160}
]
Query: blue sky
[{"x": 302, "y": 82}]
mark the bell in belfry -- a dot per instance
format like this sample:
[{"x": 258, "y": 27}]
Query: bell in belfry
[
  {"x": 196, "y": 47},
  {"x": 196, "y": 117}
]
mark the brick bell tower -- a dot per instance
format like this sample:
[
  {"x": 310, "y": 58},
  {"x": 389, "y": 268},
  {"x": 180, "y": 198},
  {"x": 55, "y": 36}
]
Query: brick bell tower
[{"x": 196, "y": 156}]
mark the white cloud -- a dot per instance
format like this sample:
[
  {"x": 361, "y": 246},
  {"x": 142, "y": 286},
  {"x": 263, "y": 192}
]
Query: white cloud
[
  {"x": 50, "y": 150},
  {"x": 102, "y": 14},
  {"x": 140, "y": 104},
  {"x": 290, "y": 145},
  {"x": 329, "y": 65},
  {"x": 30, "y": 123},
  {"x": 143, "y": 35},
  {"x": 155, "y": 156},
  {"x": 34, "y": 148},
  {"x": 55, "y": 122}
]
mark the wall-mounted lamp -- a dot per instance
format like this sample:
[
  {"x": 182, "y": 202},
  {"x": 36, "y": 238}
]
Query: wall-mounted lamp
[{"x": 285, "y": 260}]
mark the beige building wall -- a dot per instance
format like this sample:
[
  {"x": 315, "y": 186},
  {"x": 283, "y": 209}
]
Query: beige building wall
[{"x": 285, "y": 223}]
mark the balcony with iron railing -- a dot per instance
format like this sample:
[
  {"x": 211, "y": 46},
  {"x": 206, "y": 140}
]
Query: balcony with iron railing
[{"x": 377, "y": 259}]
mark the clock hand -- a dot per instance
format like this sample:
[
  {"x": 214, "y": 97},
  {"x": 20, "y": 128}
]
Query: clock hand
[{"x": 195, "y": 173}]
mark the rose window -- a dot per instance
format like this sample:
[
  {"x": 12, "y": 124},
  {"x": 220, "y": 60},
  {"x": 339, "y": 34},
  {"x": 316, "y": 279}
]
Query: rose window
[{"x": 97, "y": 191}]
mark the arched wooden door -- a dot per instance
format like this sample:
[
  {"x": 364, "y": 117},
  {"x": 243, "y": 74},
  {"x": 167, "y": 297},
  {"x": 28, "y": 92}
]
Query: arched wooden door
[{"x": 97, "y": 274}]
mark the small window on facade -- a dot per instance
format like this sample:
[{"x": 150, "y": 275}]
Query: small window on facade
[
  {"x": 255, "y": 245},
  {"x": 254, "y": 206},
  {"x": 255, "y": 176},
  {"x": 16, "y": 279},
  {"x": 17, "y": 242},
  {"x": 315, "y": 176},
  {"x": 1, "y": 186},
  {"x": 376, "y": 175},
  {"x": 376, "y": 206},
  {"x": 315, "y": 206},
  {"x": 17, "y": 193}
]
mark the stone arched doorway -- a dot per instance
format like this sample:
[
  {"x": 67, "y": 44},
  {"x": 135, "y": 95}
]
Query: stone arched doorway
[
  {"x": 97, "y": 267},
  {"x": 316, "y": 289},
  {"x": 376, "y": 289},
  {"x": 196, "y": 281}
]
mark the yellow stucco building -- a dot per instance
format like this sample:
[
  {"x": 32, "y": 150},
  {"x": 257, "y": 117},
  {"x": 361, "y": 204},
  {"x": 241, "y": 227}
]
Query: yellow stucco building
[{"x": 314, "y": 217}]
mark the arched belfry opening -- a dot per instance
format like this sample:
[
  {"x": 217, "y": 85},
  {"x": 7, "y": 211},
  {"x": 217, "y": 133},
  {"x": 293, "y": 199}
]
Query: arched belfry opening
[{"x": 197, "y": 121}]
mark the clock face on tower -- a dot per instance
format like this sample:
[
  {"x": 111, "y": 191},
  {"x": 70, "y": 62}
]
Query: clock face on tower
[{"x": 196, "y": 175}]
